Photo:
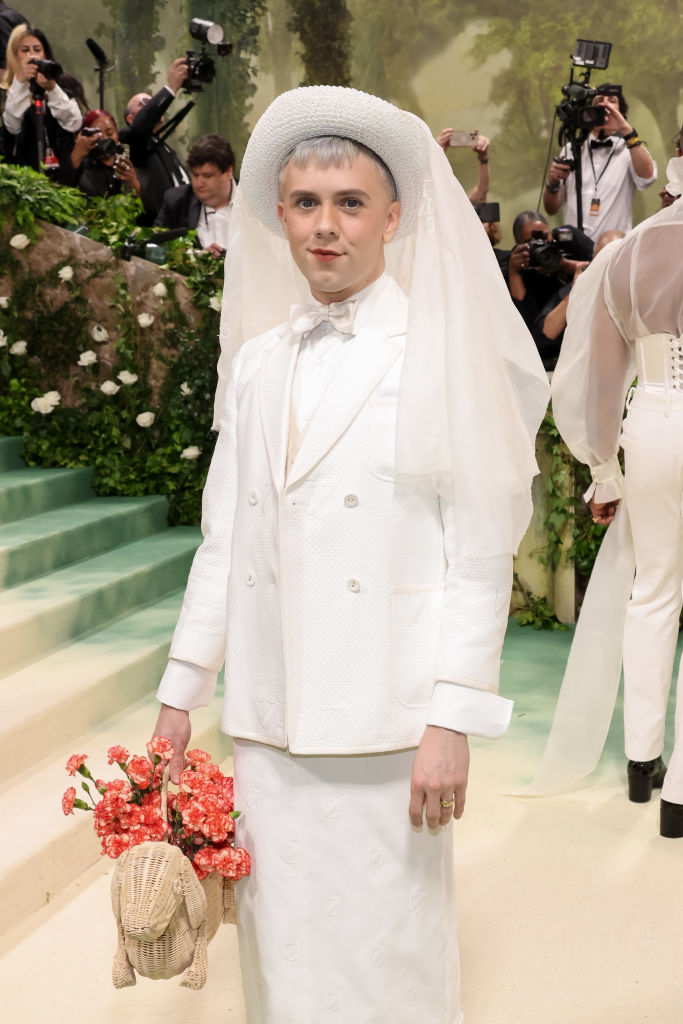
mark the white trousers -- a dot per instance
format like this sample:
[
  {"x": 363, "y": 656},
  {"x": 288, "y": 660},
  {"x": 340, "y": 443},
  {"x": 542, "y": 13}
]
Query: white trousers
[
  {"x": 348, "y": 915},
  {"x": 652, "y": 440}
]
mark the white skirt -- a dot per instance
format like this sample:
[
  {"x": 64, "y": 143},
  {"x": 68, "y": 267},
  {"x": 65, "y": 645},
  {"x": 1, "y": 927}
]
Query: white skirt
[{"x": 349, "y": 913}]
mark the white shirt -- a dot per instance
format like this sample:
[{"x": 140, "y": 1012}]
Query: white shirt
[
  {"x": 65, "y": 111},
  {"x": 608, "y": 175},
  {"x": 459, "y": 707},
  {"x": 213, "y": 225}
]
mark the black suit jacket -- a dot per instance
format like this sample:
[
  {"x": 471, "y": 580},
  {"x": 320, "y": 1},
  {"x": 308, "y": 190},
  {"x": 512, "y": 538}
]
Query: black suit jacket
[
  {"x": 156, "y": 164},
  {"x": 180, "y": 209}
]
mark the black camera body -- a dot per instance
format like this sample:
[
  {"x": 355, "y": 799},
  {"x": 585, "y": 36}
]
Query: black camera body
[
  {"x": 547, "y": 255},
  {"x": 576, "y": 111},
  {"x": 49, "y": 69},
  {"x": 105, "y": 147}
]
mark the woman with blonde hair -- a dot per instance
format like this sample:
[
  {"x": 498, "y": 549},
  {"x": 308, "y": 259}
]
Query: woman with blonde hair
[{"x": 39, "y": 120}]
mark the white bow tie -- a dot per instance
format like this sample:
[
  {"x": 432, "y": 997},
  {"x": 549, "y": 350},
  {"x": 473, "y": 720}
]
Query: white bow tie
[{"x": 340, "y": 314}]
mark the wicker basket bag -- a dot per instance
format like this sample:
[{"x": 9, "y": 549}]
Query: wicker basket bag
[{"x": 165, "y": 916}]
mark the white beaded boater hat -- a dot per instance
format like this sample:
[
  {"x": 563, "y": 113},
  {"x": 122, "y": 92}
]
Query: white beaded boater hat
[
  {"x": 396, "y": 136},
  {"x": 473, "y": 390}
]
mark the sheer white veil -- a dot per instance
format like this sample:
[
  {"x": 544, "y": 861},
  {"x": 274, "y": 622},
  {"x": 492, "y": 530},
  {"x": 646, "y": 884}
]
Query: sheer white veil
[{"x": 473, "y": 390}]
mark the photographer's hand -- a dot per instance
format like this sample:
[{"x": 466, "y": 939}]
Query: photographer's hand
[
  {"x": 83, "y": 146},
  {"x": 177, "y": 73},
  {"x": 552, "y": 193},
  {"x": 444, "y": 138},
  {"x": 519, "y": 259},
  {"x": 125, "y": 172},
  {"x": 558, "y": 172}
]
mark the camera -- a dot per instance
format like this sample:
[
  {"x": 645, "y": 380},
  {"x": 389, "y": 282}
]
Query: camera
[
  {"x": 547, "y": 255},
  {"x": 576, "y": 112},
  {"x": 201, "y": 67},
  {"x": 49, "y": 69},
  {"x": 105, "y": 147}
]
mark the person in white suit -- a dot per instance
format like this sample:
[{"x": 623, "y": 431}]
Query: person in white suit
[{"x": 370, "y": 482}]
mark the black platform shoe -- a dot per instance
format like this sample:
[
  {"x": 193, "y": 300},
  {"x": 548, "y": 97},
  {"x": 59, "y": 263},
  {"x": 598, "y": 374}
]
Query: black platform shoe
[
  {"x": 671, "y": 820},
  {"x": 643, "y": 777}
]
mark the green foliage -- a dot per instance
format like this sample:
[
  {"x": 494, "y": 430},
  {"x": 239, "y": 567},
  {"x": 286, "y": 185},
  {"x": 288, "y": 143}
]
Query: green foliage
[
  {"x": 537, "y": 611},
  {"x": 171, "y": 455},
  {"x": 25, "y": 195},
  {"x": 112, "y": 219},
  {"x": 323, "y": 28}
]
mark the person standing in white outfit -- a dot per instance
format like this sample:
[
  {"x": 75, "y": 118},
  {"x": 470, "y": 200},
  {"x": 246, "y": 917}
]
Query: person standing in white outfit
[
  {"x": 627, "y": 320},
  {"x": 370, "y": 482}
]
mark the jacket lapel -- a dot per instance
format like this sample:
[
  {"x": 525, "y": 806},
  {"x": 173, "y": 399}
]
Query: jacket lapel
[
  {"x": 369, "y": 358},
  {"x": 276, "y": 374}
]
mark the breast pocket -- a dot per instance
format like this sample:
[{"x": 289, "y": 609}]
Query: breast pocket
[
  {"x": 383, "y": 437},
  {"x": 416, "y": 625}
]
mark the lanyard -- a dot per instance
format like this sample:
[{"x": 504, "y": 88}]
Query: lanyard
[{"x": 597, "y": 180}]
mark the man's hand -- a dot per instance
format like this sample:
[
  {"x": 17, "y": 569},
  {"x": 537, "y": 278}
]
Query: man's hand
[
  {"x": 603, "y": 512},
  {"x": 519, "y": 258},
  {"x": 175, "y": 726},
  {"x": 558, "y": 172},
  {"x": 667, "y": 198},
  {"x": 615, "y": 122},
  {"x": 439, "y": 774},
  {"x": 215, "y": 249},
  {"x": 177, "y": 73}
]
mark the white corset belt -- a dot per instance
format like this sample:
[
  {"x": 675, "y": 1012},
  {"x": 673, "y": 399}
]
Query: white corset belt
[{"x": 659, "y": 359}]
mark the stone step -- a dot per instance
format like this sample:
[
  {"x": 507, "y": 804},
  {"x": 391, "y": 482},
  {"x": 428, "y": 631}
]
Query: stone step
[
  {"x": 42, "y": 851},
  {"x": 10, "y": 453},
  {"x": 52, "y": 610},
  {"x": 28, "y": 491},
  {"x": 42, "y": 543},
  {"x": 71, "y": 690}
]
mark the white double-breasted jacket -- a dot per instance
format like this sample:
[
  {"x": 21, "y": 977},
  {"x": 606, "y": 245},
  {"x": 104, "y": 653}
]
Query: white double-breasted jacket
[{"x": 334, "y": 594}]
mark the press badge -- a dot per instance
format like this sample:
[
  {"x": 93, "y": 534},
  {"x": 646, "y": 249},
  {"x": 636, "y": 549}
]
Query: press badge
[{"x": 595, "y": 206}]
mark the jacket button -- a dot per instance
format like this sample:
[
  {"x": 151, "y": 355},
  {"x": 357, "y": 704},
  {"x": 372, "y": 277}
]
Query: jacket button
[
  {"x": 353, "y": 585},
  {"x": 251, "y": 580},
  {"x": 253, "y": 498},
  {"x": 351, "y": 500}
]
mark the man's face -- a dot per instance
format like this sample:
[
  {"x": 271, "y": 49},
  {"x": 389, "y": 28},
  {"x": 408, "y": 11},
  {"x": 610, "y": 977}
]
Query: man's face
[
  {"x": 211, "y": 185},
  {"x": 337, "y": 221},
  {"x": 136, "y": 104}
]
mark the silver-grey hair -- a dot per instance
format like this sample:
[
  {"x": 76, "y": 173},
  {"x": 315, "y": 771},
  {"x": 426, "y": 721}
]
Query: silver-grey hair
[{"x": 335, "y": 151}]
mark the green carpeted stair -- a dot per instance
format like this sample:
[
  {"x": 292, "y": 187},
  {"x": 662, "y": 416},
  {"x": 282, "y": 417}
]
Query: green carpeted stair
[{"x": 90, "y": 589}]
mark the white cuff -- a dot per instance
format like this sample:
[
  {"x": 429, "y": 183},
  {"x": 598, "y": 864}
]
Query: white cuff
[
  {"x": 186, "y": 686},
  {"x": 466, "y": 709},
  {"x": 608, "y": 482},
  {"x": 169, "y": 89}
]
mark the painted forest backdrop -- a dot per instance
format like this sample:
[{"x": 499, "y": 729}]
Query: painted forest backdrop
[{"x": 457, "y": 63}]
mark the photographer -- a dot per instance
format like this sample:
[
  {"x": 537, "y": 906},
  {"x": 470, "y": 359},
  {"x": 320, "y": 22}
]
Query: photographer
[
  {"x": 39, "y": 120},
  {"x": 157, "y": 166},
  {"x": 614, "y": 163},
  {"x": 98, "y": 165},
  {"x": 205, "y": 204},
  {"x": 542, "y": 269},
  {"x": 669, "y": 194}
]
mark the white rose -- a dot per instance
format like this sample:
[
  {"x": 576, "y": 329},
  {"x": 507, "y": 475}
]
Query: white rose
[
  {"x": 98, "y": 333},
  {"x": 87, "y": 358},
  {"x": 4, "y": 301},
  {"x": 185, "y": 389},
  {"x": 145, "y": 319},
  {"x": 66, "y": 274},
  {"x": 19, "y": 241},
  {"x": 193, "y": 452},
  {"x": 18, "y": 348},
  {"x": 216, "y": 301},
  {"x": 145, "y": 419},
  {"x": 127, "y": 378},
  {"x": 46, "y": 403},
  {"x": 3, "y": 339},
  {"x": 108, "y": 387},
  {"x": 160, "y": 290}
]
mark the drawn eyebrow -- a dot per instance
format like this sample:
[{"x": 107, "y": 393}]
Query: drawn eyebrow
[{"x": 302, "y": 193}]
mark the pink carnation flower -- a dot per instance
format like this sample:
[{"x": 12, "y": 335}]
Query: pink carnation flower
[
  {"x": 196, "y": 756},
  {"x": 68, "y": 800},
  {"x": 75, "y": 762},
  {"x": 140, "y": 770},
  {"x": 162, "y": 746},
  {"x": 117, "y": 754}
]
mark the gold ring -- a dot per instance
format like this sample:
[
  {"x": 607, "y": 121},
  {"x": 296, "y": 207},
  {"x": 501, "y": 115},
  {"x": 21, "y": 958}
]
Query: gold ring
[{"x": 447, "y": 803}]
